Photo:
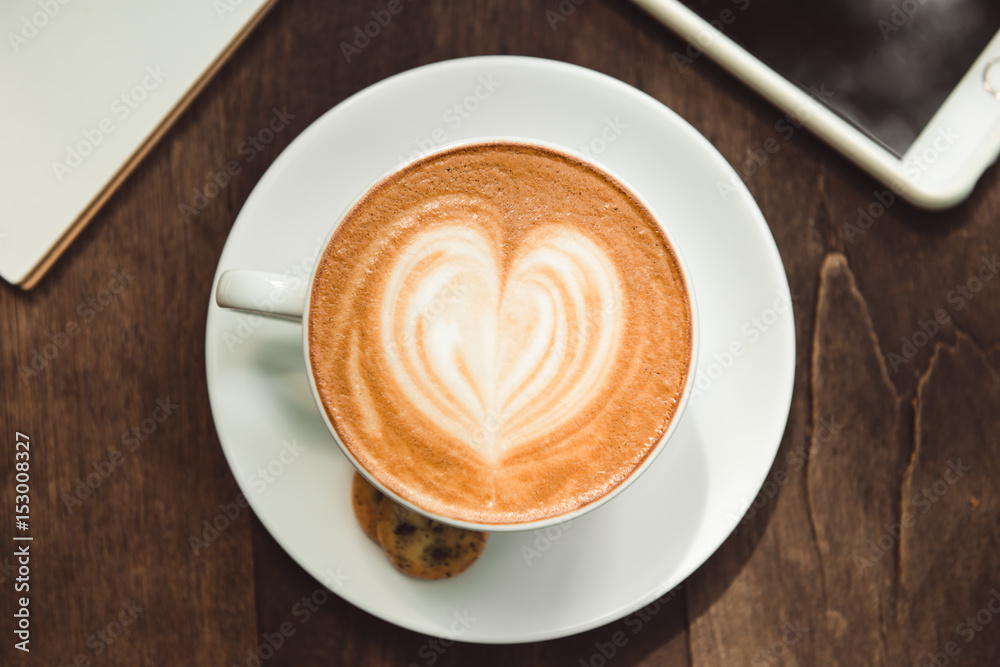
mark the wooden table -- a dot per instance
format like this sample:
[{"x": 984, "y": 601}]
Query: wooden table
[{"x": 875, "y": 542}]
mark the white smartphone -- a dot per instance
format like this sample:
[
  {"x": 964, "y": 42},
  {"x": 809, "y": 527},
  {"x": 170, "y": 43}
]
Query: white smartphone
[{"x": 907, "y": 89}]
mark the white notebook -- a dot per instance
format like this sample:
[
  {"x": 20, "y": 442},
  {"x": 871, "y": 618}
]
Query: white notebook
[{"x": 86, "y": 89}]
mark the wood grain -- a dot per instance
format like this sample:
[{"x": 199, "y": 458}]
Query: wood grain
[{"x": 818, "y": 574}]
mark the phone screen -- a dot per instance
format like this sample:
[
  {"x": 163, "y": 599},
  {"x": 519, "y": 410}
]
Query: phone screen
[{"x": 884, "y": 65}]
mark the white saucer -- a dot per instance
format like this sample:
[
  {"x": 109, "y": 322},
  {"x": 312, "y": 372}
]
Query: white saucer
[{"x": 565, "y": 579}]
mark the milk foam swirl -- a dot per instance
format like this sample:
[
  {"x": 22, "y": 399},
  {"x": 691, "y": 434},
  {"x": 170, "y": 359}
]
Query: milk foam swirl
[
  {"x": 499, "y": 333},
  {"x": 494, "y": 355}
]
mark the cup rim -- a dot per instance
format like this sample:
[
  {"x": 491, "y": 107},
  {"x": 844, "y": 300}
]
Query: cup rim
[{"x": 654, "y": 452}]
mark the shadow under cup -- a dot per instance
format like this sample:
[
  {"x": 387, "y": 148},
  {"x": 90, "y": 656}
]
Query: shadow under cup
[{"x": 477, "y": 279}]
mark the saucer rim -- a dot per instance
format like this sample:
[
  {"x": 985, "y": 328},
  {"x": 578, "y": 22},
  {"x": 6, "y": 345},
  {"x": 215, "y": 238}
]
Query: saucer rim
[{"x": 751, "y": 216}]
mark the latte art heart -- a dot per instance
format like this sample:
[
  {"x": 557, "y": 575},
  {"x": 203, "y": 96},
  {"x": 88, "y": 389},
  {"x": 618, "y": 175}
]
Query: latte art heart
[
  {"x": 499, "y": 333},
  {"x": 497, "y": 355}
]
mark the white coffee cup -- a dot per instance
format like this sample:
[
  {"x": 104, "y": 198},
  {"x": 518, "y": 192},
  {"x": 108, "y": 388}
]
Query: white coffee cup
[{"x": 287, "y": 297}]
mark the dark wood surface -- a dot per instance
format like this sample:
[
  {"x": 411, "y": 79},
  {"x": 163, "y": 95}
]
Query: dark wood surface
[{"x": 819, "y": 574}]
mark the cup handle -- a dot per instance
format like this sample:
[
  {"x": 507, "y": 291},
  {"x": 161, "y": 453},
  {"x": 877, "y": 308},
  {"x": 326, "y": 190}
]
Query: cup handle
[{"x": 269, "y": 294}]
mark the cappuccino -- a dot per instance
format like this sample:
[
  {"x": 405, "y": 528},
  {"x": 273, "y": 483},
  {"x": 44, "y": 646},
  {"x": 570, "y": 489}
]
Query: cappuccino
[{"x": 499, "y": 333}]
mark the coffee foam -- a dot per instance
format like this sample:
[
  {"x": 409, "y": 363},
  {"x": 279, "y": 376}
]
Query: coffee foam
[{"x": 499, "y": 333}]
